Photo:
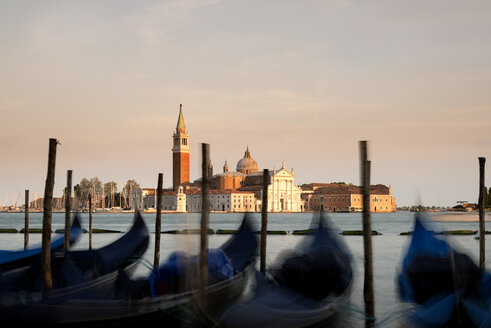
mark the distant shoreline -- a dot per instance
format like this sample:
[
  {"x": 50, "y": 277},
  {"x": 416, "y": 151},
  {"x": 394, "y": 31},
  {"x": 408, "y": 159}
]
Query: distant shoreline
[
  {"x": 437, "y": 216},
  {"x": 462, "y": 217}
]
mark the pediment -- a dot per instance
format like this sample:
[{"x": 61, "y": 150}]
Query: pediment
[{"x": 284, "y": 173}]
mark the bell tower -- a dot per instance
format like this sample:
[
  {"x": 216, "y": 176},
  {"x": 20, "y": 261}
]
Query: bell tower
[{"x": 180, "y": 153}]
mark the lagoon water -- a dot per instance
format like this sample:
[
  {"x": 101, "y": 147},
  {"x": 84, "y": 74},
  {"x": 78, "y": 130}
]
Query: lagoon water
[{"x": 388, "y": 248}]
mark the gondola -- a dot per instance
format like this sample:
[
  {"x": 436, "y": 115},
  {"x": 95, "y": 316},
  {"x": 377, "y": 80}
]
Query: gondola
[
  {"x": 141, "y": 301},
  {"x": 76, "y": 273},
  {"x": 444, "y": 285},
  {"x": 303, "y": 289},
  {"x": 14, "y": 259}
]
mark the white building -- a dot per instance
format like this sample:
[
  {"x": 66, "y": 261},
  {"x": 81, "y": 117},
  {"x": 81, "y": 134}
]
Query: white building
[
  {"x": 283, "y": 194},
  {"x": 224, "y": 200}
]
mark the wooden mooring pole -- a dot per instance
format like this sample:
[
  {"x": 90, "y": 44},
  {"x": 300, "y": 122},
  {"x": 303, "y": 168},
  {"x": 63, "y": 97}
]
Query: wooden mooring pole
[
  {"x": 205, "y": 218},
  {"x": 90, "y": 220},
  {"x": 482, "y": 225},
  {"x": 68, "y": 208},
  {"x": 47, "y": 281},
  {"x": 264, "y": 221},
  {"x": 158, "y": 222},
  {"x": 368, "y": 293},
  {"x": 26, "y": 220}
]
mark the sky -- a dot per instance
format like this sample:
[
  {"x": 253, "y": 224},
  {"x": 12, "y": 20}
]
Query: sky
[{"x": 296, "y": 81}]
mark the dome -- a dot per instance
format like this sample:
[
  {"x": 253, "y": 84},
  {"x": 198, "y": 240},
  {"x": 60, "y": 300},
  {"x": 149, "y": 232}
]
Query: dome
[{"x": 247, "y": 164}]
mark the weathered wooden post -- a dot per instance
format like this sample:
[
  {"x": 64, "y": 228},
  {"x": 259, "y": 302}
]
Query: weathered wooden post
[
  {"x": 68, "y": 208},
  {"x": 26, "y": 220},
  {"x": 205, "y": 217},
  {"x": 482, "y": 226},
  {"x": 90, "y": 220},
  {"x": 368, "y": 293},
  {"x": 158, "y": 222},
  {"x": 264, "y": 220},
  {"x": 47, "y": 281}
]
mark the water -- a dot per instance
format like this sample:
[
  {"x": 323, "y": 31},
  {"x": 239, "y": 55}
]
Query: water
[{"x": 388, "y": 248}]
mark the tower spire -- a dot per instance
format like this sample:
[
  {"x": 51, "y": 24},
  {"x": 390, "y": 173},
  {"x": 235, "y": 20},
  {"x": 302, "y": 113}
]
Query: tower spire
[
  {"x": 180, "y": 153},
  {"x": 181, "y": 127}
]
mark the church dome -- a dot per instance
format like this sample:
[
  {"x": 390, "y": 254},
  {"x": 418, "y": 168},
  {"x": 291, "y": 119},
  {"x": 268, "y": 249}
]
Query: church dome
[{"x": 247, "y": 164}]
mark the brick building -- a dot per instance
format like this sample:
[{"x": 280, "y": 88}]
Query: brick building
[
  {"x": 180, "y": 153},
  {"x": 346, "y": 198}
]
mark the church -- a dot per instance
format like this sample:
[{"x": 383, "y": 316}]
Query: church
[
  {"x": 241, "y": 190},
  {"x": 231, "y": 191}
]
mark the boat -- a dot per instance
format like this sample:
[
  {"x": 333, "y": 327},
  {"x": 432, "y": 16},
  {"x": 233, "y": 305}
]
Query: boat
[
  {"x": 443, "y": 284},
  {"x": 141, "y": 300},
  {"x": 75, "y": 273},
  {"x": 304, "y": 287},
  {"x": 14, "y": 259}
]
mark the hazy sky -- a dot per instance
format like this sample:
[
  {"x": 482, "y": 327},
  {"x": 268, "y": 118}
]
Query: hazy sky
[{"x": 299, "y": 81}]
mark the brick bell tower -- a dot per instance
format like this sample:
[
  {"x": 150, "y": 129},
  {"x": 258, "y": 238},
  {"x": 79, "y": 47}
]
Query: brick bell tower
[{"x": 180, "y": 153}]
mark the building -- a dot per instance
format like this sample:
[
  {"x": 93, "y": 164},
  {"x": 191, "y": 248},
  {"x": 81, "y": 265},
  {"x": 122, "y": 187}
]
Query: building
[
  {"x": 241, "y": 190},
  {"x": 222, "y": 200},
  {"x": 247, "y": 165},
  {"x": 180, "y": 153},
  {"x": 174, "y": 200},
  {"x": 227, "y": 179},
  {"x": 149, "y": 199},
  {"x": 283, "y": 194},
  {"x": 338, "y": 197}
]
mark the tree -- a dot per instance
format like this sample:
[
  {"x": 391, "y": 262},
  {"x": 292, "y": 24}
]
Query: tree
[
  {"x": 127, "y": 190},
  {"x": 76, "y": 190},
  {"x": 96, "y": 186},
  {"x": 110, "y": 190},
  {"x": 92, "y": 187},
  {"x": 130, "y": 185}
]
